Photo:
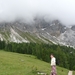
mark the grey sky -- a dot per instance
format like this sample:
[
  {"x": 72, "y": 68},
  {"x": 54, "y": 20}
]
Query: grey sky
[{"x": 63, "y": 10}]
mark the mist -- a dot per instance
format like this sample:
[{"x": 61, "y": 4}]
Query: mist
[{"x": 62, "y": 10}]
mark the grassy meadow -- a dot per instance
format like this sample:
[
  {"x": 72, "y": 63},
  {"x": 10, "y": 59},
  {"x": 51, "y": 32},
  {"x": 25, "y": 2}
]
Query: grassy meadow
[
  {"x": 23, "y": 64},
  {"x": 74, "y": 73}
]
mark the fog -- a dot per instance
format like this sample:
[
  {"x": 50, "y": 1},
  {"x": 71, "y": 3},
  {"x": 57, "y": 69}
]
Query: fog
[{"x": 63, "y": 10}]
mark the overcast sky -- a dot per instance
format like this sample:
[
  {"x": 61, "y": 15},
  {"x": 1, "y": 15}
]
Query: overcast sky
[{"x": 63, "y": 10}]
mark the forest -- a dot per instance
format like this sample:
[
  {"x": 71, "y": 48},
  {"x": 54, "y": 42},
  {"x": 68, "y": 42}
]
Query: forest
[{"x": 65, "y": 56}]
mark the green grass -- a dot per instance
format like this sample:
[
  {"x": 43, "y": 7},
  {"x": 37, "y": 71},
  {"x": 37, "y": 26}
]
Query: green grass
[
  {"x": 73, "y": 72},
  {"x": 29, "y": 36},
  {"x": 46, "y": 40},
  {"x": 5, "y": 34},
  {"x": 23, "y": 64}
]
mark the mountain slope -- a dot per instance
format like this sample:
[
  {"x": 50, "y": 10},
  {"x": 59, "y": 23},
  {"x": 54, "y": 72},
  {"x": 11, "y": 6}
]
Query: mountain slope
[
  {"x": 40, "y": 31},
  {"x": 22, "y": 64},
  {"x": 13, "y": 33},
  {"x": 67, "y": 38}
]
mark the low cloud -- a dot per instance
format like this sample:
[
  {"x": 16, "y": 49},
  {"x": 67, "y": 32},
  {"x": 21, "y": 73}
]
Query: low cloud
[{"x": 63, "y": 10}]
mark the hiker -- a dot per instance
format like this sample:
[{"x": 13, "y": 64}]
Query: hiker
[{"x": 53, "y": 65}]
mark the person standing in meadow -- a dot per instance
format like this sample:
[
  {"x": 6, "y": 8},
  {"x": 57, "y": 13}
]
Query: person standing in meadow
[{"x": 53, "y": 65}]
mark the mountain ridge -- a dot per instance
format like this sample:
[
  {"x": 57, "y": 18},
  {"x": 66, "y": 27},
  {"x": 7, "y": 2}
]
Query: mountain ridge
[{"x": 40, "y": 31}]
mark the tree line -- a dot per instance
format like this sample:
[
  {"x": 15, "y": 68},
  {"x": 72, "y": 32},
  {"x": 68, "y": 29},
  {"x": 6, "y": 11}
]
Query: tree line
[{"x": 65, "y": 55}]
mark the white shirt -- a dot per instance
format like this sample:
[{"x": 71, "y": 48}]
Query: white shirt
[{"x": 53, "y": 61}]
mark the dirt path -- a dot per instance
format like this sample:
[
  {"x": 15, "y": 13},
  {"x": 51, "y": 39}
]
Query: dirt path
[{"x": 70, "y": 73}]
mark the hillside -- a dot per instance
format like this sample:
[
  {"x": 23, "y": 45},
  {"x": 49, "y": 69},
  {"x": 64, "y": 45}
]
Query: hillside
[
  {"x": 14, "y": 34},
  {"x": 22, "y": 64},
  {"x": 40, "y": 31},
  {"x": 74, "y": 73}
]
